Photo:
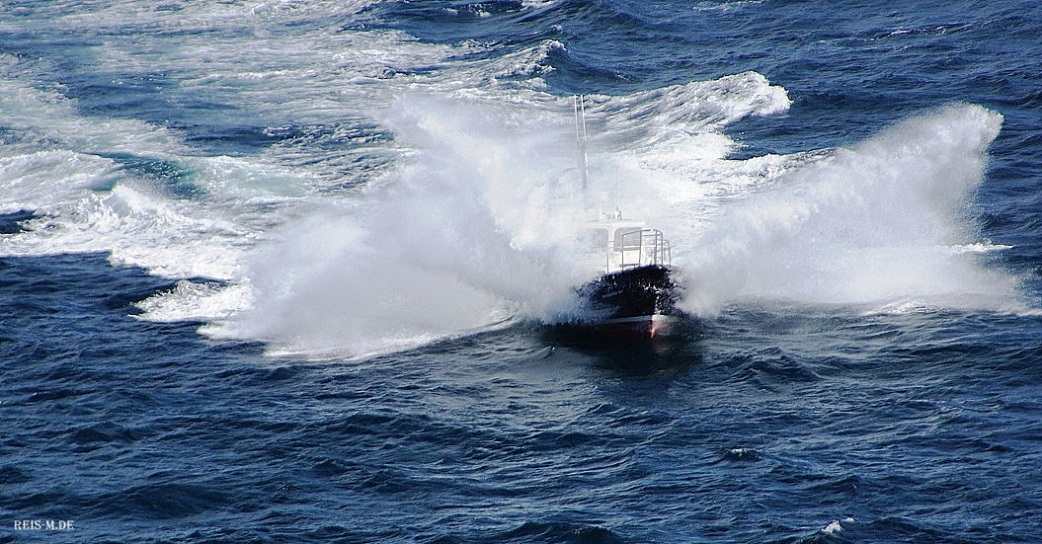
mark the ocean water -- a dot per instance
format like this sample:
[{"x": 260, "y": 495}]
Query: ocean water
[{"x": 282, "y": 271}]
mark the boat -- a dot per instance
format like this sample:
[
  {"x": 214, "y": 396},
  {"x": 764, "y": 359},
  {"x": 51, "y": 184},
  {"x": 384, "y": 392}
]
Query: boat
[{"x": 637, "y": 292}]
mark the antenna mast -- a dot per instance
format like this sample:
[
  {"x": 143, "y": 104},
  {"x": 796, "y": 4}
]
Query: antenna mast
[{"x": 579, "y": 104}]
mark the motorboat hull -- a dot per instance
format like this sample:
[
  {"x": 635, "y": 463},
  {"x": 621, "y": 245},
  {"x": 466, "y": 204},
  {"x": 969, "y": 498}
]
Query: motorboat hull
[{"x": 638, "y": 302}]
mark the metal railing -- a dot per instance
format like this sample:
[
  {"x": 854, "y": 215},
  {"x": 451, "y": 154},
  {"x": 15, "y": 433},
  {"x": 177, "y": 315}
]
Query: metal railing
[{"x": 641, "y": 247}]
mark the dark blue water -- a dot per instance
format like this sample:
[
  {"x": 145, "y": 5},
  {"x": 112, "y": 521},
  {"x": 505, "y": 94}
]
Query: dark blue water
[{"x": 148, "y": 151}]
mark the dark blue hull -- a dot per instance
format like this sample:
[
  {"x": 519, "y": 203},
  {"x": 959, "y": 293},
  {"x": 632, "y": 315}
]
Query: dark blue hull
[{"x": 640, "y": 301}]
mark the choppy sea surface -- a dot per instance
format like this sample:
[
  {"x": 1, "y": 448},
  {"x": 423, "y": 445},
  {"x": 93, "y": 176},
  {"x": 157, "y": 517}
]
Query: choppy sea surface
[{"x": 282, "y": 271}]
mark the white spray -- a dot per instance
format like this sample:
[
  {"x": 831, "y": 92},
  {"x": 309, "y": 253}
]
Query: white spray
[
  {"x": 476, "y": 226},
  {"x": 888, "y": 221},
  {"x": 463, "y": 235}
]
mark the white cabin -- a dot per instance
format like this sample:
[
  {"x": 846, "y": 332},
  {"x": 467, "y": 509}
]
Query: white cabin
[{"x": 626, "y": 244}]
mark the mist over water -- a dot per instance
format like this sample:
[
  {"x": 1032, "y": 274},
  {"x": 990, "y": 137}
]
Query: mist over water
[
  {"x": 462, "y": 234},
  {"x": 475, "y": 225}
]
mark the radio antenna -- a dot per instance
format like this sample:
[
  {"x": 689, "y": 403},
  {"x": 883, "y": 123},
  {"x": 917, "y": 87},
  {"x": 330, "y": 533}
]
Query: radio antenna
[{"x": 579, "y": 104}]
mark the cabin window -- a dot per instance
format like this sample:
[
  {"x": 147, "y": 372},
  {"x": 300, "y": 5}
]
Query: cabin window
[
  {"x": 593, "y": 239},
  {"x": 627, "y": 238}
]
